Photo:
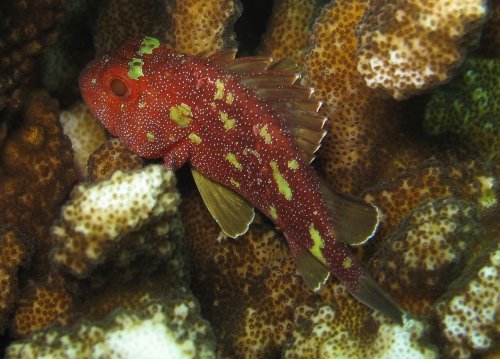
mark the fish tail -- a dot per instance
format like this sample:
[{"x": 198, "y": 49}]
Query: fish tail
[{"x": 365, "y": 289}]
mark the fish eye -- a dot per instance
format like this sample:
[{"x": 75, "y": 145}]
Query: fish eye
[{"x": 119, "y": 87}]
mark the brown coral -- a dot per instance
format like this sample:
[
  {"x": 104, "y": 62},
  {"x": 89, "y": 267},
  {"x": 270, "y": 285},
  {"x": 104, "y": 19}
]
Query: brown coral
[
  {"x": 117, "y": 221},
  {"x": 15, "y": 252},
  {"x": 409, "y": 46},
  {"x": 198, "y": 25},
  {"x": 37, "y": 168},
  {"x": 320, "y": 335},
  {"x": 415, "y": 262},
  {"x": 27, "y": 27},
  {"x": 248, "y": 287},
  {"x": 43, "y": 303},
  {"x": 358, "y": 120},
  {"x": 109, "y": 157},
  {"x": 119, "y": 20},
  {"x": 468, "y": 314},
  {"x": 469, "y": 179},
  {"x": 172, "y": 328},
  {"x": 85, "y": 132},
  {"x": 289, "y": 29}
]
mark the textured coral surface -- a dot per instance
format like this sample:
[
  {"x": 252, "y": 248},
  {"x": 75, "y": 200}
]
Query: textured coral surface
[
  {"x": 409, "y": 46},
  {"x": 107, "y": 272},
  {"x": 358, "y": 120}
]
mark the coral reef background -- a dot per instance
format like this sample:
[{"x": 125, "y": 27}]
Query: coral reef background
[{"x": 103, "y": 252}]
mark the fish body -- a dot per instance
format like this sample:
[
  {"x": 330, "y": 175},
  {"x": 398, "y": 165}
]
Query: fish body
[{"x": 226, "y": 118}]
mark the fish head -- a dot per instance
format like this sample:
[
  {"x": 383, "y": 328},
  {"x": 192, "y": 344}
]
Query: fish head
[{"x": 124, "y": 90}]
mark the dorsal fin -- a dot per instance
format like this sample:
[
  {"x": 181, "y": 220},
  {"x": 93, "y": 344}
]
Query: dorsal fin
[
  {"x": 223, "y": 57},
  {"x": 275, "y": 83}
]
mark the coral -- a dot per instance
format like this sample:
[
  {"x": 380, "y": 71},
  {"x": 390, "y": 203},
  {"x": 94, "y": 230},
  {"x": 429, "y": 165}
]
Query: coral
[
  {"x": 199, "y": 25},
  {"x": 434, "y": 178},
  {"x": 42, "y": 303},
  {"x": 414, "y": 263},
  {"x": 247, "y": 287},
  {"x": 27, "y": 27},
  {"x": 85, "y": 132},
  {"x": 409, "y": 46},
  {"x": 119, "y": 20},
  {"x": 15, "y": 252},
  {"x": 289, "y": 29},
  {"x": 359, "y": 121},
  {"x": 117, "y": 221},
  {"x": 468, "y": 314},
  {"x": 469, "y": 108},
  {"x": 111, "y": 156},
  {"x": 164, "y": 327},
  {"x": 319, "y": 335},
  {"x": 36, "y": 173}
]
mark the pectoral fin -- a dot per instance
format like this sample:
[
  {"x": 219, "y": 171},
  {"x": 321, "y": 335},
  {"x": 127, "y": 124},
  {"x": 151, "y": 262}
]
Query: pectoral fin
[
  {"x": 355, "y": 220},
  {"x": 314, "y": 272},
  {"x": 231, "y": 211}
]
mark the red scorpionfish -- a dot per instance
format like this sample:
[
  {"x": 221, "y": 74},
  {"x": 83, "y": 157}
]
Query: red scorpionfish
[{"x": 249, "y": 132}]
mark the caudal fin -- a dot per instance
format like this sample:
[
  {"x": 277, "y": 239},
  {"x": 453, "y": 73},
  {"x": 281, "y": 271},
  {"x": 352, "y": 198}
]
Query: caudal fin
[{"x": 371, "y": 294}]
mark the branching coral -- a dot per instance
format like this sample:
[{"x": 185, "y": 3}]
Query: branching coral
[
  {"x": 43, "y": 303},
  {"x": 119, "y": 20},
  {"x": 27, "y": 27},
  {"x": 172, "y": 328},
  {"x": 319, "y": 335},
  {"x": 409, "y": 46},
  {"x": 15, "y": 252},
  {"x": 469, "y": 108},
  {"x": 117, "y": 220},
  {"x": 470, "y": 180},
  {"x": 358, "y": 120},
  {"x": 111, "y": 156},
  {"x": 85, "y": 132},
  {"x": 289, "y": 29},
  {"x": 199, "y": 25},
  {"x": 415, "y": 262},
  {"x": 468, "y": 314},
  {"x": 247, "y": 287}
]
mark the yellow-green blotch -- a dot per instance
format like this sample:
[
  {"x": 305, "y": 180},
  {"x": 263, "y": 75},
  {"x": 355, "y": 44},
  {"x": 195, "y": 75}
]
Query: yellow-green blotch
[
  {"x": 272, "y": 212},
  {"x": 234, "y": 182},
  {"x": 141, "y": 104},
  {"x": 181, "y": 114},
  {"x": 150, "y": 136},
  {"x": 293, "y": 165},
  {"x": 135, "y": 68},
  {"x": 194, "y": 138},
  {"x": 229, "y": 123},
  {"x": 318, "y": 243},
  {"x": 265, "y": 134},
  {"x": 283, "y": 186},
  {"x": 231, "y": 157},
  {"x": 229, "y": 98},
  {"x": 148, "y": 45},
  {"x": 347, "y": 263},
  {"x": 219, "y": 93}
]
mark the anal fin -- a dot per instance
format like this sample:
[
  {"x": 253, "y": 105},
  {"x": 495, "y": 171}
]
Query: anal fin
[{"x": 313, "y": 272}]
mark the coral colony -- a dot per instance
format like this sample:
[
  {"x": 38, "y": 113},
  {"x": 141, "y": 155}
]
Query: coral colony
[{"x": 106, "y": 252}]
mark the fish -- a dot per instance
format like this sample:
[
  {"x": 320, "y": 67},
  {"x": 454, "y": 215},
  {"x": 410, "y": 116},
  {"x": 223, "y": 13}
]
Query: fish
[{"x": 249, "y": 130}]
